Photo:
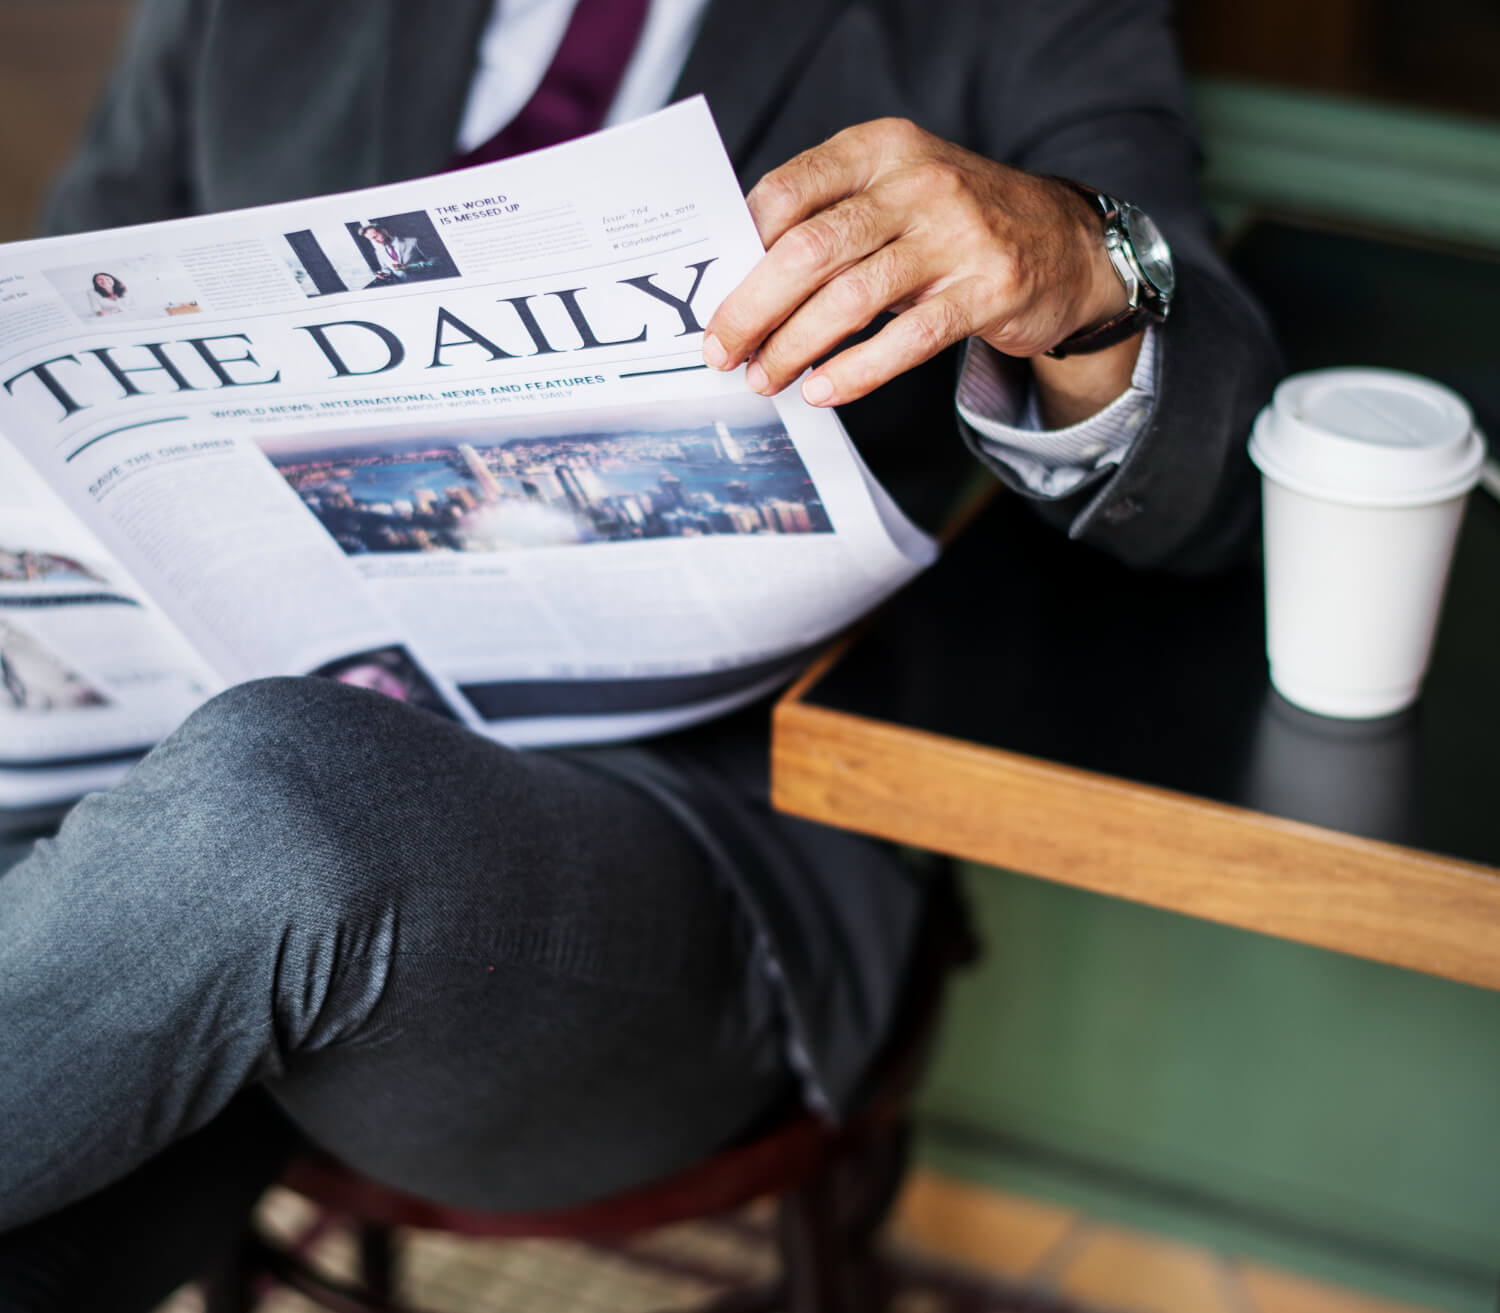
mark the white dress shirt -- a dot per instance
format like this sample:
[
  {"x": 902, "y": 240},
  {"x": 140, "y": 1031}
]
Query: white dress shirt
[{"x": 515, "y": 51}]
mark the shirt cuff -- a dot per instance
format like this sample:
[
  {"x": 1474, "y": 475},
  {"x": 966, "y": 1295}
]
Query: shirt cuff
[{"x": 1000, "y": 405}]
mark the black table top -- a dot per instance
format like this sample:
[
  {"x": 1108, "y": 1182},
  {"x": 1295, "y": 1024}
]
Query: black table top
[{"x": 1023, "y": 641}]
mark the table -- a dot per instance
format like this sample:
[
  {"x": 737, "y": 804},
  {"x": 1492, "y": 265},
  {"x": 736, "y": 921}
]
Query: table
[{"x": 1116, "y": 731}]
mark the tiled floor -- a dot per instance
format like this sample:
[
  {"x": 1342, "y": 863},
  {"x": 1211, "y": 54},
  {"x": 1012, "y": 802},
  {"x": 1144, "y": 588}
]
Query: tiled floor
[
  {"x": 1018, "y": 1243},
  {"x": 1101, "y": 1265},
  {"x": 680, "y": 1267}
]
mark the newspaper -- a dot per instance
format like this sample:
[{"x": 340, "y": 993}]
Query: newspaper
[{"x": 451, "y": 439}]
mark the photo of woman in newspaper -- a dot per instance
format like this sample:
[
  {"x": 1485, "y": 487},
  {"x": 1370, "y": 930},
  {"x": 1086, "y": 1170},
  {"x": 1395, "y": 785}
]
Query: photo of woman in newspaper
[
  {"x": 107, "y": 295},
  {"x": 151, "y": 285}
]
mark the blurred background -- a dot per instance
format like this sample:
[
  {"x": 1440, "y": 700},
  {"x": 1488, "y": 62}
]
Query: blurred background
[
  {"x": 54, "y": 57},
  {"x": 1243, "y": 1108},
  {"x": 1438, "y": 55}
]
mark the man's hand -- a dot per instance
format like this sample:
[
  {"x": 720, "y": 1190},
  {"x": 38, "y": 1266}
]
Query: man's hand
[{"x": 885, "y": 216}]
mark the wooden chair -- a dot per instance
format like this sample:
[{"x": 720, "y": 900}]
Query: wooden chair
[{"x": 833, "y": 1187}]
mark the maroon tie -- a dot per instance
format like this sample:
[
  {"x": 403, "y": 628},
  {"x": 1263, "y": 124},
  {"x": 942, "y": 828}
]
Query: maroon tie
[{"x": 579, "y": 88}]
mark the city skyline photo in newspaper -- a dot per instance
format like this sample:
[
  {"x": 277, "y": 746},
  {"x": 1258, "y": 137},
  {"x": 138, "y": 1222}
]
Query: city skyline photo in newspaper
[{"x": 700, "y": 469}]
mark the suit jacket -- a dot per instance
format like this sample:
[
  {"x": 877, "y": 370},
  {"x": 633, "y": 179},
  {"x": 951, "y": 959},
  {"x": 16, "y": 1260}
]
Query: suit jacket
[
  {"x": 226, "y": 103},
  {"x": 408, "y": 251}
]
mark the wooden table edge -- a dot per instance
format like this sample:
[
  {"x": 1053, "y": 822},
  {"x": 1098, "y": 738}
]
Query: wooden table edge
[{"x": 1150, "y": 845}]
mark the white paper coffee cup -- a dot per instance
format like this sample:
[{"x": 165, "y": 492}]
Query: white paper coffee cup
[{"x": 1365, "y": 473}]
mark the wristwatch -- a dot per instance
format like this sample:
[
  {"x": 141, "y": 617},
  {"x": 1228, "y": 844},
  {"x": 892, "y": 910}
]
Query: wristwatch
[{"x": 1143, "y": 260}]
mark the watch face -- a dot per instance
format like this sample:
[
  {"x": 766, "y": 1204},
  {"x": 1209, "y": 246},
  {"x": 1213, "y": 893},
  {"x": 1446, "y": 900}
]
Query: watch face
[{"x": 1151, "y": 250}]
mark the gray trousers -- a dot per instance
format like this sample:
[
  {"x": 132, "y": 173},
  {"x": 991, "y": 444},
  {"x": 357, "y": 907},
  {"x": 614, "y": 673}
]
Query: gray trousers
[{"x": 500, "y": 979}]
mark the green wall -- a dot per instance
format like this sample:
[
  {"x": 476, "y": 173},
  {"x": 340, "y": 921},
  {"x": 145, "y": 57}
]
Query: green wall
[
  {"x": 1278, "y": 1101},
  {"x": 1410, "y": 171}
]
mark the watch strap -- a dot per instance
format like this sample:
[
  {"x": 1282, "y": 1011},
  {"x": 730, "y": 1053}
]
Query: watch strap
[{"x": 1129, "y": 321}]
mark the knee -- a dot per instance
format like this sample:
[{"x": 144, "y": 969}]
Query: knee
[
  {"x": 264, "y": 756},
  {"x": 259, "y": 794},
  {"x": 311, "y": 798},
  {"x": 264, "y": 715},
  {"x": 282, "y": 739}
]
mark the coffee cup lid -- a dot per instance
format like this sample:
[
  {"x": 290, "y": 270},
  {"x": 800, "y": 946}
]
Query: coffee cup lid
[{"x": 1368, "y": 437}]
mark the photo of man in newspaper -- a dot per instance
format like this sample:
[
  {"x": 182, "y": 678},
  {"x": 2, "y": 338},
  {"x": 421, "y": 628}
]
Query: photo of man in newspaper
[
  {"x": 381, "y": 251},
  {"x": 725, "y": 466}
]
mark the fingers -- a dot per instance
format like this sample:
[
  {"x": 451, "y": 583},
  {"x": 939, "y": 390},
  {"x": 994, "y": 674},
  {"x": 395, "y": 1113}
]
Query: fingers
[
  {"x": 814, "y": 180},
  {"x": 813, "y": 253},
  {"x": 837, "y": 310},
  {"x": 885, "y": 216},
  {"x": 910, "y": 339}
]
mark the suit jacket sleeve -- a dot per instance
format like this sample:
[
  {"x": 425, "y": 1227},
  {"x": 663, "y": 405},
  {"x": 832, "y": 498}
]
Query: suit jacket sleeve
[
  {"x": 132, "y": 164},
  {"x": 1092, "y": 90}
]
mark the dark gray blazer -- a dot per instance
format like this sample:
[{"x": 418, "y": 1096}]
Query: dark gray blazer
[{"x": 227, "y": 103}]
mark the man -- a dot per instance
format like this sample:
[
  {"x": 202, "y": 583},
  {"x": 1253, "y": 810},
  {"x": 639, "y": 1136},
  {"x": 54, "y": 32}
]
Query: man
[
  {"x": 525, "y": 980},
  {"x": 398, "y": 257}
]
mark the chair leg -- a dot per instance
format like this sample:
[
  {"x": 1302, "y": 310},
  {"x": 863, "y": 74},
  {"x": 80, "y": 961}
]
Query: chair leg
[
  {"x": 829, "y": 1269},
  {"x": 230, "y": 1286},
  {"x": 768, "y": 1298},
  {"x": 869, "y": 1183},
  {"x": 811, "y": 1250},
  {"x": 377, "y": 1261},
  {"x": 826, "y": 1231},
  {"x": 325, "y": 1292}
]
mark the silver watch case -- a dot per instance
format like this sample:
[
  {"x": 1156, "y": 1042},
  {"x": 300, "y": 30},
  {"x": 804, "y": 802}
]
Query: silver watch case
[{"x": 1140, "y": 256}]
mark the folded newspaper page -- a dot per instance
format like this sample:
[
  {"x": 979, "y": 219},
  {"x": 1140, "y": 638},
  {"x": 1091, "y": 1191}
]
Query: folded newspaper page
[{"x": 450, "y": 439}]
